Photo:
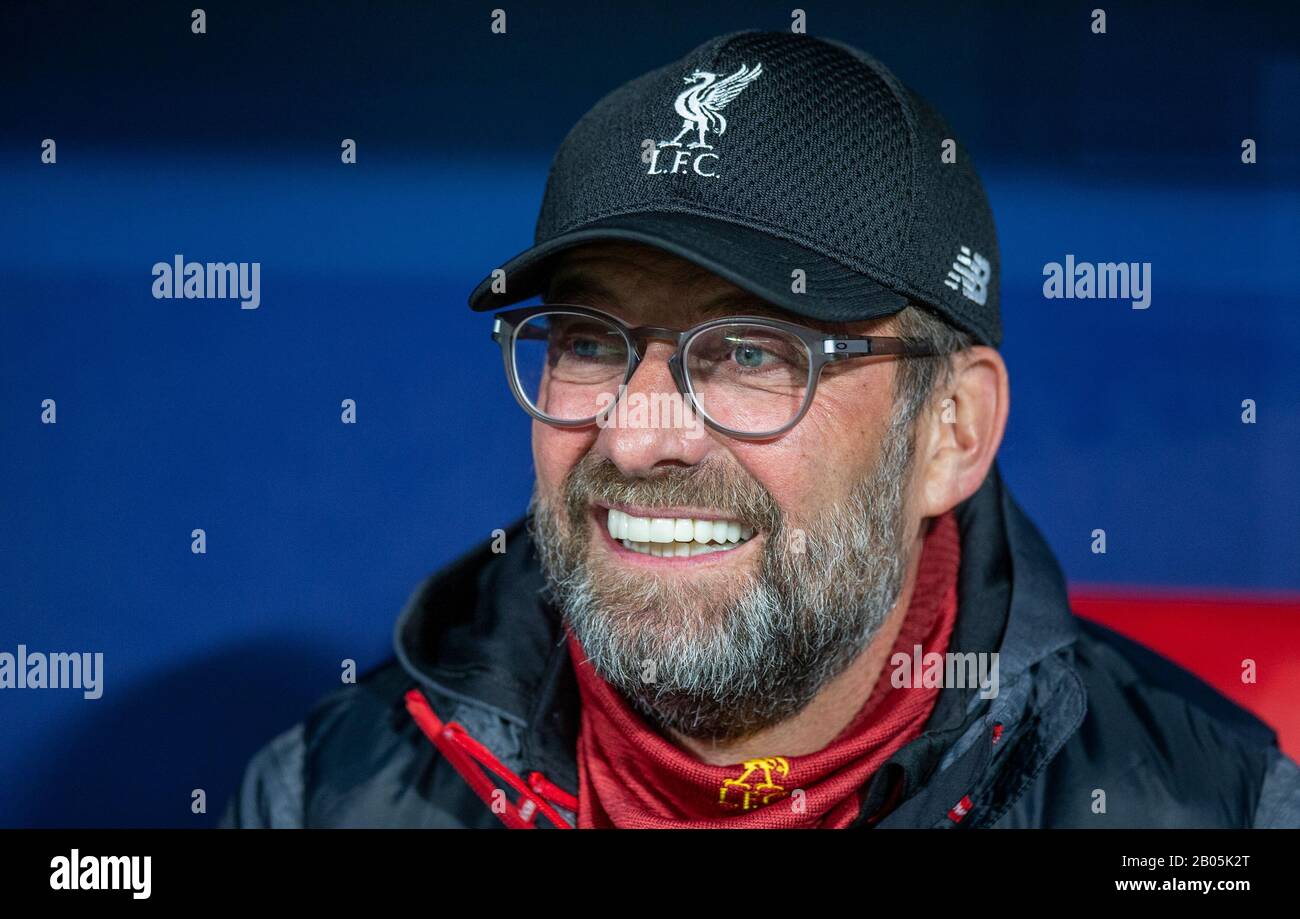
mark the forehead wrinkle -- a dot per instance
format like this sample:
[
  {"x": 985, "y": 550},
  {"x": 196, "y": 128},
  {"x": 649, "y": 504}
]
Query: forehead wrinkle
[
  {"x": 587, "y": 290},
  {"x": 577, "y": 280}
]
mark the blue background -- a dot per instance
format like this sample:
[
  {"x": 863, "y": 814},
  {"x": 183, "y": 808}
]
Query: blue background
[{"x": 176, "y": 414}]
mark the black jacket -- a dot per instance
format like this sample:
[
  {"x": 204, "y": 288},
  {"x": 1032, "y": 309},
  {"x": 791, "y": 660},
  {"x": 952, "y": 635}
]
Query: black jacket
[{"x": 1088, "y": 729}]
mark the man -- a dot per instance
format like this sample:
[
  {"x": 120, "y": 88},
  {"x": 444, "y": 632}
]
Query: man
[{"x": 767, "y": 404}]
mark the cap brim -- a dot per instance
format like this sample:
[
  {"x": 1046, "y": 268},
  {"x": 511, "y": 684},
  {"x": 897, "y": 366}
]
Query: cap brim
[{"x": 752, "y": 260}]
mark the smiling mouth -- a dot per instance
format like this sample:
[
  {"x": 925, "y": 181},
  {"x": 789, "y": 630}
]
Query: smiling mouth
[{"x": 675, "y": 537}]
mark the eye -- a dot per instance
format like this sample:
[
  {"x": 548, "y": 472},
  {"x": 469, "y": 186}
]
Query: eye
[
  {"x": 584, "y": 343},
  {"x": 750, "y": 356}
]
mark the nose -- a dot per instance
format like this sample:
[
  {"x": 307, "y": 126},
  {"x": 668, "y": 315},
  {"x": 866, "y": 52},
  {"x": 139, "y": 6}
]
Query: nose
[{"x": 653, "y": 424}]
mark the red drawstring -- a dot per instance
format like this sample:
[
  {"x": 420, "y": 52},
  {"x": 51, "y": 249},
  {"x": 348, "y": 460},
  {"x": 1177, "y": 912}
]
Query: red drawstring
[
  {"x": 552, "y": 792},
  {"x": 462, "y": 751}
]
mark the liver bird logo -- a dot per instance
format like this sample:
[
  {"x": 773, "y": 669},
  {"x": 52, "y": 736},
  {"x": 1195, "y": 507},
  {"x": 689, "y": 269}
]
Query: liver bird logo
[
  {"x": 755, "y": 786},
  {"x": 701, "y": 104}
]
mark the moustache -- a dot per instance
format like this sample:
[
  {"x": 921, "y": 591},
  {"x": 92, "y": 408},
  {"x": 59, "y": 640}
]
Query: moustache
[{"x": 714, "y": 484}]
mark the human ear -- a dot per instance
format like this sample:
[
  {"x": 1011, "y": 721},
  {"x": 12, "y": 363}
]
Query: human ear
[{"x": 961, "y": 430}]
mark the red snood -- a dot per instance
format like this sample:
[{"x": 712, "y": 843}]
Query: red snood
[{"x": 631, "y": 777}]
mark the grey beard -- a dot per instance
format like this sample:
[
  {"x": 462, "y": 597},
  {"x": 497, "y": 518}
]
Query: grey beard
[{"x": 713, "y": 666}]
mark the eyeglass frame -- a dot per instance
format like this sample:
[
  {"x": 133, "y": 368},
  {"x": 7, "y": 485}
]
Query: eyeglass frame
[{"x": 822, "y": 347}]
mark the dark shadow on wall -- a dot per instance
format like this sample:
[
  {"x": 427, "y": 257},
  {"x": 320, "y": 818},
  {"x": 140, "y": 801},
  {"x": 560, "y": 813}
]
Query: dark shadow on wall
[{"x": 137, "y": 761}]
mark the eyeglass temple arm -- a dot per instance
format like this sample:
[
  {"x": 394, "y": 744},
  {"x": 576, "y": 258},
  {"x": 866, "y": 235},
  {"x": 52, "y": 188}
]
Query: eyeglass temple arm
[
  {"x": 862, "y": 347},
  {"x": 833, "y": 347}
]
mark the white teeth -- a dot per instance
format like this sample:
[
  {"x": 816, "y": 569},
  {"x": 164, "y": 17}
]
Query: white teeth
[
  {"x": 638, "y": 529},
  {"x": 675, "y": 537}
]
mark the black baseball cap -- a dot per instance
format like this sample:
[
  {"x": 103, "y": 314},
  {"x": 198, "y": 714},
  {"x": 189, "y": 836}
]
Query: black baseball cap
[{"x": 760, "y": 153}]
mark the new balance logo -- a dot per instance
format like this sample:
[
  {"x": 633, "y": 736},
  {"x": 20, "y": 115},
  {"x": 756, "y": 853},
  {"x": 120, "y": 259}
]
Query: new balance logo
[{"x": 970, "y": 274}]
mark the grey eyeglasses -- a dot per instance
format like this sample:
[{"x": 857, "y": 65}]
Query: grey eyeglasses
[{"x": 748, "y": 377}]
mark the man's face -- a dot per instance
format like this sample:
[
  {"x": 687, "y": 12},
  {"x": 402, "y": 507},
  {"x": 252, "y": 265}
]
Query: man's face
[{"x": 720, "y": 643}]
